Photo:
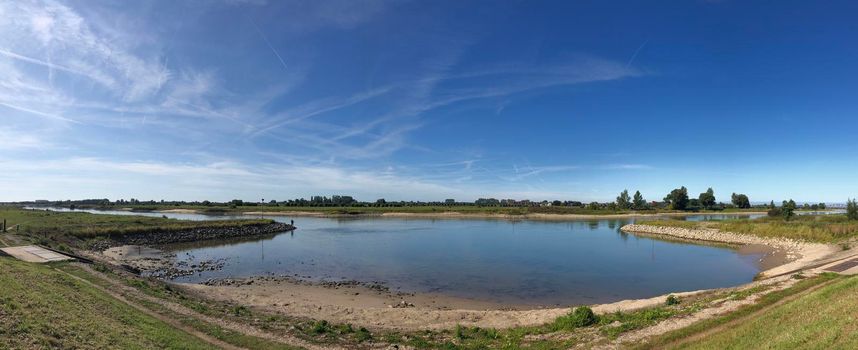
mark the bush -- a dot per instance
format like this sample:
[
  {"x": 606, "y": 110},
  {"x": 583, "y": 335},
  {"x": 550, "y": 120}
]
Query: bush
[
  {"x": 852, "y": 209},
  {"x": 581, "y": 317},
  {"x": 320, "y": 327},
  {"x": 775, "y": 212},
  {"x": 672, "y": 300},
  {"x": 363, "y": 335}
]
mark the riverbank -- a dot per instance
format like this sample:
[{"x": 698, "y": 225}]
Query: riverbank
[
  {"x": 458, "y": 215},
  {"x": 797, "y": 254},
  {"x": 385, "y": 310}
]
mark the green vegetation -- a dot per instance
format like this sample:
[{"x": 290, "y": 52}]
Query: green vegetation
[
  {"x": 788, "y": 209},
  {"x": 638, "y": 202},
  {"x": 812, "y": 228},
  {"x": 43, "y": 308},
  {"x": 852, "y": 209},
  {"x": 707, "y": 199},
  {"x": 671, "y": 300},
  {"x": 821, "y": 319},
  {"x": 740, "y": 200},
  {"x": 678, "y": 198},
  {"x": 47, "y": 224},
  {"x": 624, "y": 201},
  {"x": 580, "y": 317}
]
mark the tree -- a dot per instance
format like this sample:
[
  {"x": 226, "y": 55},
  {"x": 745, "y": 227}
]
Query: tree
[
  {"x": 707, "y": 199},
  {"x": 678, "y": 198},
  {"x": 741, "y": 201},
  {"x": 594, "y": 206},
  {"x": 638, "y": 202},
  {"x": 623, "y": 200},
  {"x": 852, "y": 209},
  {"x": 787, "y": 209}
]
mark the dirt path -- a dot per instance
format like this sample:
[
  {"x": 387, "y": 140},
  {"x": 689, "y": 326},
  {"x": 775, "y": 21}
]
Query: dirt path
[
  {"x": 174, "y": 323},
  {"x": 233, "y": 326},
  {"x": 735, "y": 322}
]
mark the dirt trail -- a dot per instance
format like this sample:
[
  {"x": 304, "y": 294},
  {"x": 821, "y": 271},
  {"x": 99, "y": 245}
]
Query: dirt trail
[
  {"x": 174, "y": 323},
  {"x": 727, "y": 307},
  {"x": 233, "y": 326},
  {"x": 735, "y": 322}
]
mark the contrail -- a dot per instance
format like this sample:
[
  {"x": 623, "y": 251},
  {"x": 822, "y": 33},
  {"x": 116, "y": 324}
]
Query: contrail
[
  {"x": 39, "y": 113},
  {"x": 631, "y": 60},
  {"x": 268, "y": 43}
]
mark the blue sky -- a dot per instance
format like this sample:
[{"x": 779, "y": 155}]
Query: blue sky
[{"x": 427, "y": 100}]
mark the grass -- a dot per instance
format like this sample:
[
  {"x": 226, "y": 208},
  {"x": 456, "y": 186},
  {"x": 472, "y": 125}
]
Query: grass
[
  {"x": 46, "y": 224},
  {"x": 799, "y": 319},
  {"x": 825, "y": 319},
  {"x": 44, "y": 308},
  {"x": 316, "y": 331},
  {"x": 165, "y": 291},
  {"x": 812, "y": 228}
]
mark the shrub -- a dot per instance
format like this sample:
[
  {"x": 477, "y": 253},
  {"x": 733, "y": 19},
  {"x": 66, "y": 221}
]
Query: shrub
[
  {"x": 363, "y": 335},
  {"x": 672, "y": 300},
  {"x": 460, "y": 332},
  {"x": 320, "y": 327},
  {"x": 775, "y": 212},
  {"x": 240, "y": 310},
  {"x": 581, "y": 317},
  {"x": 852, "y": 209}
]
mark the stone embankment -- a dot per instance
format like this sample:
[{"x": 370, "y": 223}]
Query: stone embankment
[
  {"x": 798, "y": 254},
  {"x": 713, "y": 235},
  {"x": 202, "y": 233}
]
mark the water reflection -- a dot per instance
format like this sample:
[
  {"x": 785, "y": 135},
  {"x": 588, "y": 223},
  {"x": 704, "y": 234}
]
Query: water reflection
[{"x": 524, "y": 262}]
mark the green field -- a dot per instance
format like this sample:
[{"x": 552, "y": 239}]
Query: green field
[
  {"x": 813, "y": 228},
  {"x": 44, "y": 308}
]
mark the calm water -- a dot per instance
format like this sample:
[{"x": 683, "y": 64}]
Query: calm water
[{"x": 526, "y": 262}]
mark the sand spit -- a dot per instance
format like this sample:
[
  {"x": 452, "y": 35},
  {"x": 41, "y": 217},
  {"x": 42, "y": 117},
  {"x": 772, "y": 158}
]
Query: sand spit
[{"x": 799, "y": 254}]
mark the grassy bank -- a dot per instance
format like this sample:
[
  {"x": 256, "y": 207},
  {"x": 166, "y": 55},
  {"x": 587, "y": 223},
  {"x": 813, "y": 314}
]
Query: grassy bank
[
  {"x": 41, "y": 223},
  {"x": 44, "y": 308},
  {"x": 821, "y": 319},
  {"x": 812, "y": 228}
]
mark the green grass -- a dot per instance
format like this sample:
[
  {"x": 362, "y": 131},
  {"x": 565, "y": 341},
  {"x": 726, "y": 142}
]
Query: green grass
[
  {"x": 849, "y": 305},
  {"x": 812, "y": 228},
  {"x": 40, "y": 223},
  {"x": 44, "y": 308},
  {"x": 825, "y": 319}
]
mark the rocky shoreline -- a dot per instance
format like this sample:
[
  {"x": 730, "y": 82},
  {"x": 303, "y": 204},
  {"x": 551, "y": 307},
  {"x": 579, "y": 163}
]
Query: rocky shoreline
[
  {"x": 201, "y": 234},
  {"x": 712, "y": 235},
  {"x": 798, "y": 253}
]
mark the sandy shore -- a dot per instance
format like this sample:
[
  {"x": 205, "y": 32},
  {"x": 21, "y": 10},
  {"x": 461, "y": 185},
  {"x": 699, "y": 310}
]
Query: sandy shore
[{"x": 379, "y": 309}]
